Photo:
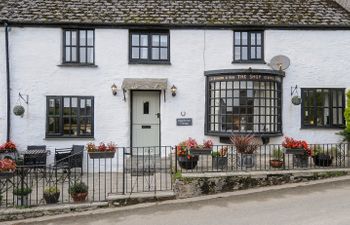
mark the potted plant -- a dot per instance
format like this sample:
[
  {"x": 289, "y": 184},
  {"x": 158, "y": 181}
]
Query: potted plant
[
  {"x": 7, "y": 168},
  {"x": 101, "y": 151},
  {"x": 78, "y": 191},
  {"x": 185, "y": 157},
  {"x": 204, "y": 149},
  {"x": 300, "y": 150},
  {"x": 245, "y": 145},
  {"x": 22, "y": 195},
  {"x": 219, "y": 158},
  {"x": 51, "y": 195},
  {"x": 323, "y": 157},
  {"x": 277, "y": 158}
]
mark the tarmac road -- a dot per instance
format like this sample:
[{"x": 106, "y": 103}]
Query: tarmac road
[{"x": 322, "y": 204}]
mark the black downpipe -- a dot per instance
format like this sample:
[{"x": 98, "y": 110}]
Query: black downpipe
[{"x": 8, "y": 81}]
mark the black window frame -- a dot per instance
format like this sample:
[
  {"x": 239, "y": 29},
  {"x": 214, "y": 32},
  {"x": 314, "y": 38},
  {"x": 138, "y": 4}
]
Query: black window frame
[
  {"x": 61, "y": 134},
  {"x": 249, "y": 45},
  {"x": 255, "y": 75},
  {"x": 78, "y": 47},
  {"x": 330, "y": 108},
  {"x": 149, "y": 59}
]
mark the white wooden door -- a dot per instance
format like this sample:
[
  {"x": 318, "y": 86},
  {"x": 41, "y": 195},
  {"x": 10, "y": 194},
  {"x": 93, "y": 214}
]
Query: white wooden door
[{"x": 145, "y": 121}]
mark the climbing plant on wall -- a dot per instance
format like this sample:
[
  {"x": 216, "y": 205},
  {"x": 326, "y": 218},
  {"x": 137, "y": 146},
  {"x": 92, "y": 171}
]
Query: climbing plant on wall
[{"x": 346, "y": 132}]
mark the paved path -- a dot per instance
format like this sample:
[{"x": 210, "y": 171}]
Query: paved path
[{"x": 324, "y": 204}]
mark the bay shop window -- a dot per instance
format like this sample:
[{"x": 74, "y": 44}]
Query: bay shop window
[{"x": 242, "y": 102}]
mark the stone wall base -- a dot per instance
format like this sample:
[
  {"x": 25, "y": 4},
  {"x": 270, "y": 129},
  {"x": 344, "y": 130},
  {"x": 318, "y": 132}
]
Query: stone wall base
[{"x": 195, "y": 185}]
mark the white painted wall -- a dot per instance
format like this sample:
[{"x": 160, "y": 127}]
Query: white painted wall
[{"x": 319, "y": 59}]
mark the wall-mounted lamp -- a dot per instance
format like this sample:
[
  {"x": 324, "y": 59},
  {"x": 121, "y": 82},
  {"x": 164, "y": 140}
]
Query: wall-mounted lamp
[
  {"x": 173, "y": 90},
  {"x": 114, "y": 89}
]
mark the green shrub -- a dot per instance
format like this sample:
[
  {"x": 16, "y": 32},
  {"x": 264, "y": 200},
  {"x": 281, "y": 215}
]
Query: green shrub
[
  {"x": 346, "y": 132},
  {"x": 22, "y": 192},
  {"x": 79, "y": 187},
  {"x": 51, "y": 190}
]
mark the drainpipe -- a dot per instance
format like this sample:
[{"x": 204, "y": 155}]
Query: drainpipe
[{"x": 8, "y": 80}]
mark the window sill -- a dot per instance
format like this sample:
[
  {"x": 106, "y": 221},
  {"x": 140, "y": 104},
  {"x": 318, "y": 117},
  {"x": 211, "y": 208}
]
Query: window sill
[
  {"x": 222, "y": 134},
  {"x": 149, "y": 63},
  {"x": 77, "y": 65},
  {"x": 322, "y": 128},
  {"x": 249, "y": 62},
  {"x": 67, "y": 137}
]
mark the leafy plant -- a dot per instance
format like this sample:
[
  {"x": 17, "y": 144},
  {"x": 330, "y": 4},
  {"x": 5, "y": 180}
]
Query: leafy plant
[
  {"x": 277, "y": 154},
  {"x": 51, "y": 190},
  {"x": 346, "y": 132},
  {"x": 318, "y": 150},
  {"x": 102, "y": 147},
  {"x": 22, "y": 192},
  {"x": 79, "y": 187},
  {"x": 222, "y": 152},
  {"x": 245, "y": 144}
]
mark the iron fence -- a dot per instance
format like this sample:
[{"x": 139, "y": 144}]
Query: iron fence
[
  {"x": 151, "y": 169},
  {"x": 265, "y": 158},
  {"x": 129, "y": 170}
]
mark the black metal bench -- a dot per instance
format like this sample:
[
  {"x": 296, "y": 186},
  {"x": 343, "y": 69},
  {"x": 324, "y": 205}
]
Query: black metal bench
[{"x": 68, "y": 158}]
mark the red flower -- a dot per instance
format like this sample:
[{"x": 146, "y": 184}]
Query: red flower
[
  {"x": 7, "y": 165},
  {"x": 296, "y": 144},
  {"x": 9, "y": 145}
]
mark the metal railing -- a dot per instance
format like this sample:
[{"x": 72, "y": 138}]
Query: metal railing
[
  {"x": 266, "y": 158},
  {"x": 151, "y": 169}
]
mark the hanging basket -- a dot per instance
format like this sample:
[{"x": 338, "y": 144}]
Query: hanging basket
[
  {"x": 296, "y": 100},
  {"x": 18, "y": 110}
]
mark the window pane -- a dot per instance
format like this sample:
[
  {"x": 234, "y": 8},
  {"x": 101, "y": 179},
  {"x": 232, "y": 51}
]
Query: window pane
[
  {"x": 155, "y": 53},
  {"x": 67, "y": 33},
  {"x": 146, "y": 108},
  {"x": 74, "y": 107},
  {"x": 144, "y": 53},
  {"x": 83, "y": 55},
  {"x": 164, "y": 40},
  {"x": 66, "y": 126},
  {"x": 164, "y": 53},
  {"x": 144, "y": 40},
  {"x": 252, "y": 39},
  {"x": 68, "y": 59},
  {"x": 74, "y": 38},
  {"x": 90, "y": 55},
  {"x": 66, "y": 106},
  {"x": 258, "y": 53},
  {"x": 244, "y": 53},
  {"x": 135, "y": 40},
  {"x": 237, "y": 53},
  {"x": 258, "y": 38},
  {"x": 155, "y": 40},
  {"x": 90, "y": 37},
  {"x": 244, "y": 38},
  {"x": 53, "y": 125},
  {"x": 74, "y": 54},
  {"x": 252, "y": 53},
  {"x": 237, "y": 38},
  {"x": 82, "y": 37},
  {"x": 82, "y": 107},
  {"x": 88, "y": 107},
  {"x": 135, "y": 53}
]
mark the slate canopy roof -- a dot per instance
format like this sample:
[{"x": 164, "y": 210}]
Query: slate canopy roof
[{"x": 182, "y": 13}]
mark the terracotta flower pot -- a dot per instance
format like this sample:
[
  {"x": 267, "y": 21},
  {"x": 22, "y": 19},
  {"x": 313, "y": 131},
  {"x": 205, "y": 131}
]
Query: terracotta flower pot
[
  {"x": 276, "y": 163},
  {"x": 79, "y": 197}
]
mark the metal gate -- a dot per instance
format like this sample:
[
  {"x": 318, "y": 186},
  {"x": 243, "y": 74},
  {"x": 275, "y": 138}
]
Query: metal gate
[{"x": 147, "y": 169}]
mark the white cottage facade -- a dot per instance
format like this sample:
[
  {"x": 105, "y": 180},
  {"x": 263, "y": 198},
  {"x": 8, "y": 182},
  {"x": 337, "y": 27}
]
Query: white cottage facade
[{"x": 224, "y": 83}]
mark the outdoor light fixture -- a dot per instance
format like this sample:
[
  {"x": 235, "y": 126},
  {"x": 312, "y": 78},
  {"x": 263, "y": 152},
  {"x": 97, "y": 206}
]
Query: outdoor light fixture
[
  {"x": 114, "y": 89},
  {"x": 173, "y": 90}
]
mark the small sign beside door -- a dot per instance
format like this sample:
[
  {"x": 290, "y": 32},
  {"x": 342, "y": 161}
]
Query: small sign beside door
[{"x": 184, "y": 122}]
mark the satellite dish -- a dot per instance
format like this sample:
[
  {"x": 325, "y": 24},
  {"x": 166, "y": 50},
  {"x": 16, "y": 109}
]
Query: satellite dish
[{"x": 280, "y": 62}]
